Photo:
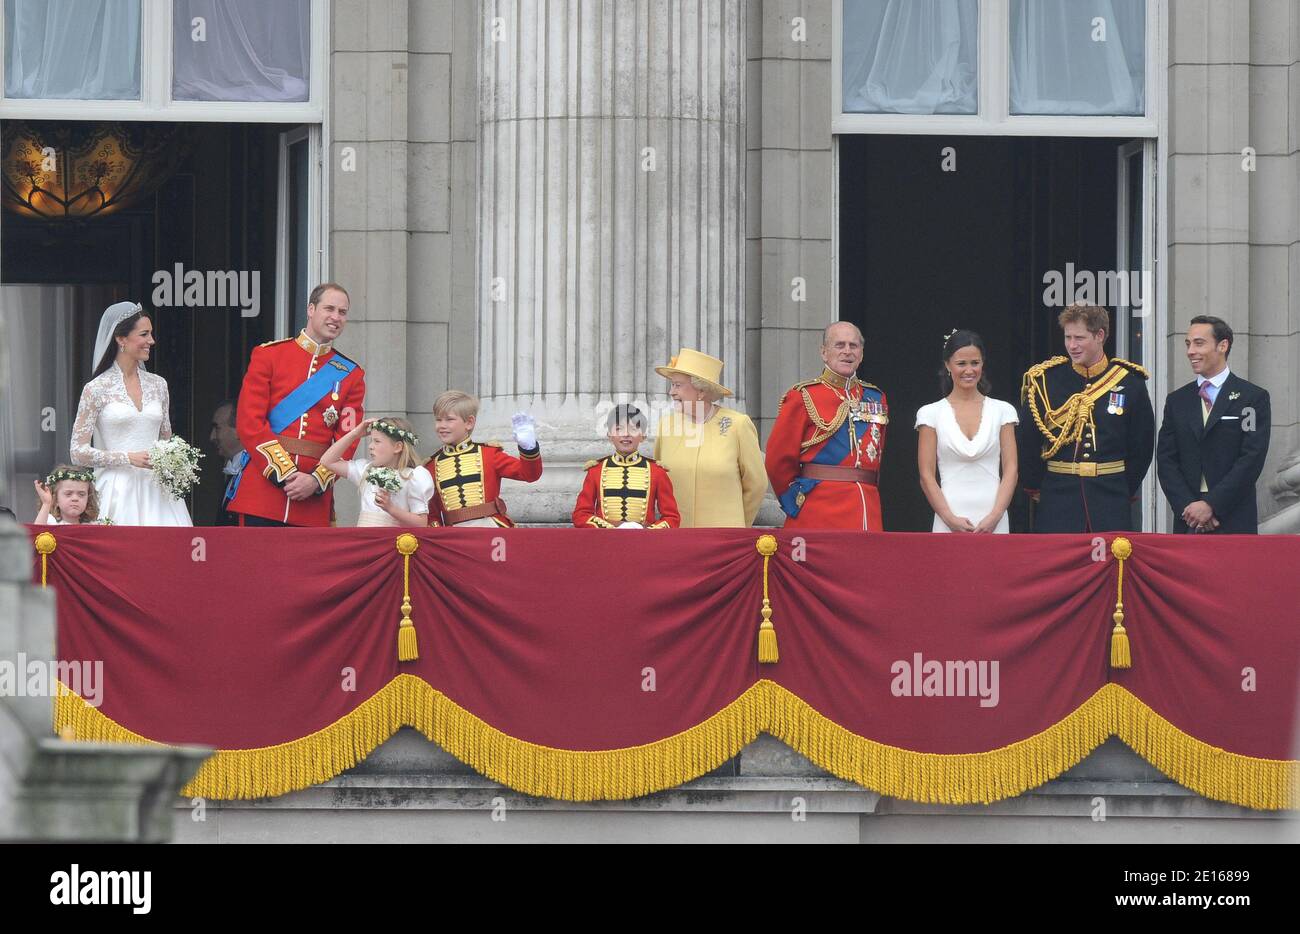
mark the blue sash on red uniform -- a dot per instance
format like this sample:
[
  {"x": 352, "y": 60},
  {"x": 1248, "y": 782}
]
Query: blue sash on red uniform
[
  {"x": 291, "y": 408},
  {"x": 833, "y": 452}
]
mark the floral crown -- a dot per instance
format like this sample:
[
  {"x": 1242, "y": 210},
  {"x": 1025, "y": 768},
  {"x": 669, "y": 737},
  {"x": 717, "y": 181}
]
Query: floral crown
[
  {"x": 399, "y": 434},
  {"x": 85, "y": 475}
]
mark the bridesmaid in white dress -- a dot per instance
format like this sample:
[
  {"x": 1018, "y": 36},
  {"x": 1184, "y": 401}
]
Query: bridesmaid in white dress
[
  {"x": 123, "y": 411},
  {"x": 969, "y": 441}
]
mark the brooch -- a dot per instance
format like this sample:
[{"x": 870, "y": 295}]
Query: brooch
[
  {"x": 723, "y": 424},
  {"x": 331, "y": 416},
  {"x": 1233, "y": 395}
]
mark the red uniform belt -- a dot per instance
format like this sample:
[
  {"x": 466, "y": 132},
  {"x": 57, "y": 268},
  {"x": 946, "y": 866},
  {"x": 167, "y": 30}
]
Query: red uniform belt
[
  {"x": 302, "y": 446},
  {"x": 494, "y": 508},
  {"x": 832, "y": 472}
]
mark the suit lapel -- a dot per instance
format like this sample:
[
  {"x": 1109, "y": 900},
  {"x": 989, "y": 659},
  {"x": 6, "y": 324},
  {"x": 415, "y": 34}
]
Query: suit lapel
[
  {"x": 1194, "y": 407},
  {"x": 1220, "y": 402}
]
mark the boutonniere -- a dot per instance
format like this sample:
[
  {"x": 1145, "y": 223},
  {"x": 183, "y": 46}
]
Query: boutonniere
[
  {"x": 1233, "y": 395},
  {"x": 723, "y": 424}
]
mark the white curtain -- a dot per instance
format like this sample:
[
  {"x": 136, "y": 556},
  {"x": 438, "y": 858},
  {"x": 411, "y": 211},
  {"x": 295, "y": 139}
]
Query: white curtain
[
  {"x": 252, "y": 50},
  {"x": 37, "y": 349},
  {"x": 911, "y": 56},
  {"x": 72, "y": 49},
  {"x": 1060, "y": 66}
]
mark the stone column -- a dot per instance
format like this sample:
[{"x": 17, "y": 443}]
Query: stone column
[
  {"x": 611, "y": 215},
  {"x": 1234, "y": 233}
]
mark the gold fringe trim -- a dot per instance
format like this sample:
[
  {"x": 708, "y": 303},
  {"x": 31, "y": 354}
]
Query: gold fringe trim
[
  {"x": 985, "y": 777},
  {"x": 766, "y": 707},
  {"x": 269, "y": 771}
]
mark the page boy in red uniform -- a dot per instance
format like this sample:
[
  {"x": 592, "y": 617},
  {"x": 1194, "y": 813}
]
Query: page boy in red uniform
[
  {"x": 626, "y": 490},
  {"x": 467, "y": 474}
]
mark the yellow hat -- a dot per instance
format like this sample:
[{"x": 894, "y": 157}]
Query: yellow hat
[{"x": 699, "y": 365}]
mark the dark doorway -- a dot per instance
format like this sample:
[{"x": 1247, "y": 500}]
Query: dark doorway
[
  {"x": 923, "y": 251},
  {"x": 216, "y": 209}
]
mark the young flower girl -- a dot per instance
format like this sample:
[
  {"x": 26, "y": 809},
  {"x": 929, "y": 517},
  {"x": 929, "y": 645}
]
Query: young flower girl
[
  {"x": 68, "y": 497},
  {"x": 395, "y": 489}
]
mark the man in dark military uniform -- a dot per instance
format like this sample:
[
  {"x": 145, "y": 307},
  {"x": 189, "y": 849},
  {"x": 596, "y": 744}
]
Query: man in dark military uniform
[{"x": 1086, "y": 433}]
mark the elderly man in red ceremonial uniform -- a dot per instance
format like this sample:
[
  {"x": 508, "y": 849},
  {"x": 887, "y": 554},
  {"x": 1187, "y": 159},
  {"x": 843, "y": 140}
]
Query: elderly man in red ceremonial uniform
[
  {"x": 824, "y": 454},
  {"x": 300, "y": 395}
]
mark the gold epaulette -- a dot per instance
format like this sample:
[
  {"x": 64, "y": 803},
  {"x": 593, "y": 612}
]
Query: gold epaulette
[
  {"x": 280, "y": 341},
  {"x": 863, "y": 382},
  {"x": 591, "y": 464},
  {"x": 1135, "y": 367},
  {"x": 803, "y": 385},
  {"x": 1036, "y": 371},
  {"x": 490, "y": 444}
]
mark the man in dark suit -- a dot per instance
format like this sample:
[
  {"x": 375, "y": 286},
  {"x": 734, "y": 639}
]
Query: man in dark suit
[
  {"x": 226, "y": 440},
  {"x": 1213, "y": 438}
]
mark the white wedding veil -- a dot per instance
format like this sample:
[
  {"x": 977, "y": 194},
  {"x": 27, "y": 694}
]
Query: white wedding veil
[{"x": 114, "y": 315}]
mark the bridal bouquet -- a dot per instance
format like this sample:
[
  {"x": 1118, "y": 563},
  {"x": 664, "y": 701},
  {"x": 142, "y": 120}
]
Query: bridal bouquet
[
  {"x": 385, "y": 478},
  {"x": 175, "y": 465}
]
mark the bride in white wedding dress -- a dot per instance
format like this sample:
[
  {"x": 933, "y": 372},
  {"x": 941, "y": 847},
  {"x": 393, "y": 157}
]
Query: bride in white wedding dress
[{"x": 123, "y": 411}]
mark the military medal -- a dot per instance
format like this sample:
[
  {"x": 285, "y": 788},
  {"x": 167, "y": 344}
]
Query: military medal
[
  {"x": 1116, "y": 404},
  {"x": 335, "y": 396},
  {"x": 331, "y": 415}
]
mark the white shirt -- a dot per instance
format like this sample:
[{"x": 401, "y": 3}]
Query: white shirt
[{"x": 1216, "y": 383}]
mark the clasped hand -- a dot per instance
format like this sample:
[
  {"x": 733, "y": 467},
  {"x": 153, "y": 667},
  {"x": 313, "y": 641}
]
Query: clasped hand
[{"x": 1199, "y": 517}]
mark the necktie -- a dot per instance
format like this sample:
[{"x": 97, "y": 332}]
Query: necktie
[{"x": 1206, "y": 402}]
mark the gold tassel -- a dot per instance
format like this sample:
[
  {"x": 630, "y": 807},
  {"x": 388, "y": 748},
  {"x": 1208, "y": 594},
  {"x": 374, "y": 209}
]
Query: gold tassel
[
  {"x": 408, "y": 650},
  {"x": 1120, "y": 655},
  {"x": 45, "y": 545},
  {"x": 767, "y": 651}
]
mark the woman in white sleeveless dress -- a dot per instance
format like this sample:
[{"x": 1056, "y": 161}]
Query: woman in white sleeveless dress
[
  {"x": 122, "y": 413},
  {"x": 969, "y": 441}
]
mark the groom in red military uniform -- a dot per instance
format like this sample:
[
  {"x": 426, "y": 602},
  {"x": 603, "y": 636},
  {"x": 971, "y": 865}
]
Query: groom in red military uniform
[
  {"x": 299, "y": 396},
  {"x": 824, "y": 453}
]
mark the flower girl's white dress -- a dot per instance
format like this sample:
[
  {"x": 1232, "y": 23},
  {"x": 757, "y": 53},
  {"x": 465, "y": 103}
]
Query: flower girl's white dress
[{"x": 414, "y": 496}]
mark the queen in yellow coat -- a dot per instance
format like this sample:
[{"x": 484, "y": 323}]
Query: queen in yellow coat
[{"x": 711, "y": 452}]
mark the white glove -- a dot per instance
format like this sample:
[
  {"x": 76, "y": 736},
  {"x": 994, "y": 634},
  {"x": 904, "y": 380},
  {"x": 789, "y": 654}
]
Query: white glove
[
  {"x": 525, "y": 431},
  {"x": 630, "y": 525}
]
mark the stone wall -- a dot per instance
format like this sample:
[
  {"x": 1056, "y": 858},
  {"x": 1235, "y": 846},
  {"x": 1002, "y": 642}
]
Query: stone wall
[
  {"x": 403, "y": 238},
  {"x": 790, "y": 181},
  {"x": 1234, "y": 235}
]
